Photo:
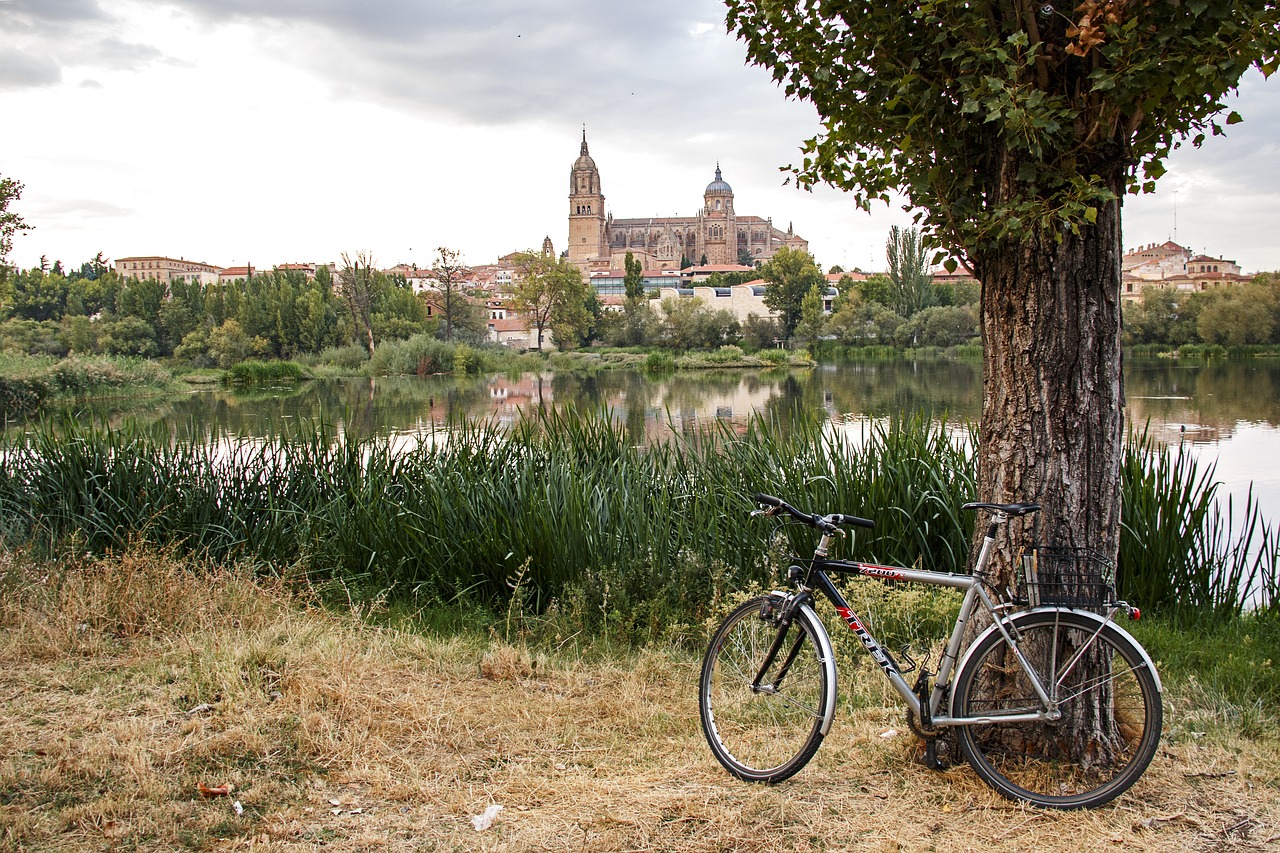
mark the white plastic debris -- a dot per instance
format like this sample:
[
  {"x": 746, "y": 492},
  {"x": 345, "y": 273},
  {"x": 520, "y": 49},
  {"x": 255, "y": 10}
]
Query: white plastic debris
[
  {"x": 239, "y": 809},
  {"x": 890, "y": 733},
  {"x": 483, "y": 821}
]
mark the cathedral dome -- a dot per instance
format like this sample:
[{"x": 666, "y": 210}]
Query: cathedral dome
[{"x": 719, "y": 186}]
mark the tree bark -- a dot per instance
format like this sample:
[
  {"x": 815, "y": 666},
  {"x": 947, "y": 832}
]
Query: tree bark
[
  {"x": 1053, "y": 399},
  {"x": 1053, "y": 417}
]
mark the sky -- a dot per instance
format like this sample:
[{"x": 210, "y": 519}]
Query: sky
[{"x": 279, "y": 131}]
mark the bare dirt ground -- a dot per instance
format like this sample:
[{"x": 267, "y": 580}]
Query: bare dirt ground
[{"x": 128, "y": 686}]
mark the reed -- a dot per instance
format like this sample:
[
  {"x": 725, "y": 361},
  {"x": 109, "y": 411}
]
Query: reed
[
  {"x": 1183, "y": 551},
  {"x": 254, "y": 372},
  {"x": 563, "y": 509}
]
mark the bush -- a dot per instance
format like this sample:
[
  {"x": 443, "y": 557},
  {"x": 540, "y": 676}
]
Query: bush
[
  {"x": 254, "y": 372},
  {"x": 420, "y": 355},
  {"x": 659, "y": 362}
]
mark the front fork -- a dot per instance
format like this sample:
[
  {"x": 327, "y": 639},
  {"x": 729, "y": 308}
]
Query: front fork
[{"x": 783, "y": 620}]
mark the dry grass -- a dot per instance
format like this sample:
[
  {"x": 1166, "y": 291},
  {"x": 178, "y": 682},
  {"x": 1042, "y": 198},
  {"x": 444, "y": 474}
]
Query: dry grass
[{"x": 128, "y": 683}]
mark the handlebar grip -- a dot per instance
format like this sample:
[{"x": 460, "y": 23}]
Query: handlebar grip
[
  {"x": 853, "y": 520},
  {"x": 767, "y": 500}
]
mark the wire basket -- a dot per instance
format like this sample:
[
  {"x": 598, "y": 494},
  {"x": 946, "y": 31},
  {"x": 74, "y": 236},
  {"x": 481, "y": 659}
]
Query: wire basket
[{"x": 1067, "y": 577}]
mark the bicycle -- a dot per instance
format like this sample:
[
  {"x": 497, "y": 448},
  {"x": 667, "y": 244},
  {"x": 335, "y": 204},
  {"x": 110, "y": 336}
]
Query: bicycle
[{"x": 1053, "y": 703}]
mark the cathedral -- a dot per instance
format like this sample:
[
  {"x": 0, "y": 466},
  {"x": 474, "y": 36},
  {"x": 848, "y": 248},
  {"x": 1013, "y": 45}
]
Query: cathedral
[{"x": 716, "y": 232}]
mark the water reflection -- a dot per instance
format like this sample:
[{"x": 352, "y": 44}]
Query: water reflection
[
  {"x": 1226, "y": 411},
  {"x": 1182, "y": 402}
]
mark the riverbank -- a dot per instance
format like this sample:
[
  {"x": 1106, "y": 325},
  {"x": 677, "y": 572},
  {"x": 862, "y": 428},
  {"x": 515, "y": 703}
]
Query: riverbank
[
  {"x": 138, "y": 690},
  {"x": 29, "y": 382}
]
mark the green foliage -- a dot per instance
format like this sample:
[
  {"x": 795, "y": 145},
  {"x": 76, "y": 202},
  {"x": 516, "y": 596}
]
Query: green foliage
[
  {"x": 633, "y": 278},
  {"x": 812, "y": 318},
  {"x": 26, "y": 383},
  {"x": 909, "y": 271},
  {"x": 657, "y": 533},
  {"x": 1182, "y": 552},
  {"x": 760, "y": 333},
  {"x": 420, "y": 355},
  {"x": 689, "y": 323},
  {"x": 997, "y": 120},
  {"x": 553, "y": 295},
  {"x": 10, "y": 222},
  {"x": 789, "y": 275},
  {"x": 262, "y": 372},
  {"x": 659, "y": 362}
]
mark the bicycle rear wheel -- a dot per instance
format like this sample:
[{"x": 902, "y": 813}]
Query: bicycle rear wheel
[
  {"x": 1110, "y": 703},
  {"x": 769, "y": 732}
]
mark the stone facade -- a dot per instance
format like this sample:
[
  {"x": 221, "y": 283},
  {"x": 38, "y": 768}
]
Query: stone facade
[
  {"x": 165, "y": 269},
  {"x": 1169, "y": 266},
  {"x": 598, "y": 241}
]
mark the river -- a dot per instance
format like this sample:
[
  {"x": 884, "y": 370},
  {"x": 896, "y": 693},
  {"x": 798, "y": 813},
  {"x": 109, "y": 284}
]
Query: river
[{"x": 1226, "y": 412}]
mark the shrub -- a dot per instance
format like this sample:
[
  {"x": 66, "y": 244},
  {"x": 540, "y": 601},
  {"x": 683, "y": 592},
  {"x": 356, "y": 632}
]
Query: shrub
[
  {"x": 254, "y": 372},
  {"x": 659, "y": 362}
]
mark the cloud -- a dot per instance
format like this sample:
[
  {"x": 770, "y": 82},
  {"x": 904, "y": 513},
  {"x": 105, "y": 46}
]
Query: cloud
[
  {"x": 659, "y": 69},
  {"x": 19, "y": 70}
]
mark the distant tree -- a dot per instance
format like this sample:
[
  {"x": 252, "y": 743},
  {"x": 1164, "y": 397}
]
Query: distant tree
[
  {"x": 1235, "y": 316},
  {"x": 876, "y": 287},
  {"x": 355, "y": 286},
  {"x": 741, "y": 277},
  {"x": 760, "y": 332},
  {"x": 1162, "y": 316},
  {"x": 451, "y": 276},
  {"x": 128, "y": 335},
  {"x": 38, "y": 295},
  {"x": 745, "y": 258},
  {"x": 789, "y": 275},
  {"x": 553, "y": 295},
  {"x": 812, "y": 319},
  {"x": 835, "y": 268},
  {"x": 689, "y": 323},
  {"x": 908, "y": 270},
  {"x": 939, "y": 326},
  {"x": 633, "y": 278},
  {"x": 868, "y": 324},
  {"x": 702, "y": 262}
]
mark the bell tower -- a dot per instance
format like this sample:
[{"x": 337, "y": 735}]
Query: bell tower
[{"x": 587, "y": 240}]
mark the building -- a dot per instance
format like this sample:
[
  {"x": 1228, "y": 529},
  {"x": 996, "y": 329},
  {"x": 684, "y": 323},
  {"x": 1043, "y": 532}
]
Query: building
[
  {"x": 717, "y": 232},
  {"x": 1169, "y": 266},
  {"x": 229, "y": 274},
  {"x": 165, "y": 269}
]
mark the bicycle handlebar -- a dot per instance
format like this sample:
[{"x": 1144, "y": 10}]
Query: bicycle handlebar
[{"x": 822, "y": 522}]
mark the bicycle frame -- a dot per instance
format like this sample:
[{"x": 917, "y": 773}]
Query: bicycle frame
[{"x": 926, "y": 710}]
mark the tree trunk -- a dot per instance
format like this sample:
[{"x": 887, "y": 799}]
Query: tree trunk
[
  {"x": 1053, "y": 415},
  {"x": 1053, "y": 400}
]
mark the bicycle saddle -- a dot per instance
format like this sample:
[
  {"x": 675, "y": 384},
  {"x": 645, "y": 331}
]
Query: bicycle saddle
[{"x": 1010, "y": 509}]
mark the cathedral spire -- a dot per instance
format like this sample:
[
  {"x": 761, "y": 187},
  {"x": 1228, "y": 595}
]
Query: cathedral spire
[{"x": 584, "y": 139}]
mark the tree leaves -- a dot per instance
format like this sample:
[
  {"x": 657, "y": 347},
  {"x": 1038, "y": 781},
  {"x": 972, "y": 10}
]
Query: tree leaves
[{"x": 993, "y": 121}]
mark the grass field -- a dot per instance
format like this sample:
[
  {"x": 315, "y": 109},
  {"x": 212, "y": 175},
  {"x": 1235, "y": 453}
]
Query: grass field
[{"x": 128, "y": 683}]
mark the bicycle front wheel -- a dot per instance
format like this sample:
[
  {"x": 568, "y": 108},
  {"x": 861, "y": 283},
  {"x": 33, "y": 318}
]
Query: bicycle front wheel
[
  {"x": 765, "y": 723},
  {"x": 1109, "y": 699}
]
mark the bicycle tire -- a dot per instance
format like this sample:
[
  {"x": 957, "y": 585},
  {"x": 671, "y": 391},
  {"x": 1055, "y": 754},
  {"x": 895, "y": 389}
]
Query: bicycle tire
[
  {"x": 1111, "y": 713},
  {"x": 767, "y": 735}
]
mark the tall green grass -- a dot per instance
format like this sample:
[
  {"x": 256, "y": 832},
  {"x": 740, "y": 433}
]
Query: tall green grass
[
  {"x": 565, "y": 512},
  {"x": 254, "y": 372},
  {"x": 1183, "y": 551}
]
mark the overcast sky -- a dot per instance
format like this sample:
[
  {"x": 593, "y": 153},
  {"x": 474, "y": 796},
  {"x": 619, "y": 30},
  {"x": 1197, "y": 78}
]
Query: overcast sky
[{"x": 273, "y": 131}]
